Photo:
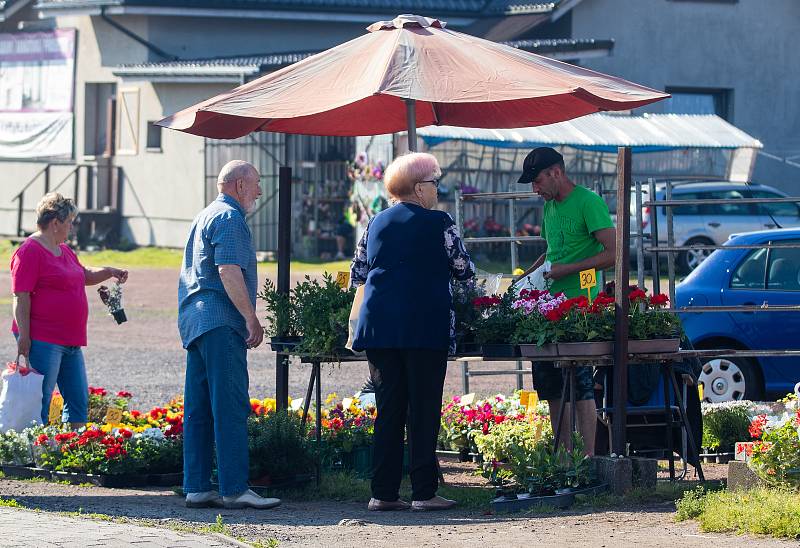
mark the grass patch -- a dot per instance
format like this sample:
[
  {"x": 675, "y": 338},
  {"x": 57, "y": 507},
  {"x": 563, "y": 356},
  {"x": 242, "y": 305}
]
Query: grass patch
[
  {"x": 142, "y": 257},
  {"x": 665, "y": 491},
  {"x": 761, "y": 511},
  {"x": 10, "y": 503},
  {"x": 218, "y": 527}
]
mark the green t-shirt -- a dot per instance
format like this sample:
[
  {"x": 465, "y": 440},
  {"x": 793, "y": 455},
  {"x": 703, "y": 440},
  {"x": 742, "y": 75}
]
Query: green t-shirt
[{"x": 568, "y": 226}]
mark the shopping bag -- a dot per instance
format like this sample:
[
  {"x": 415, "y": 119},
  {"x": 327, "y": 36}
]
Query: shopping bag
[
  {"x": 21, "y": 398},
  {"x": 355, "y": 310}
]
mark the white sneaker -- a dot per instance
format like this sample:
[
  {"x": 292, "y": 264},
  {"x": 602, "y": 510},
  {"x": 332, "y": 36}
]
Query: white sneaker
[
  {"x": 205, "y": 499},
  {"x": 249, "y": 499}
]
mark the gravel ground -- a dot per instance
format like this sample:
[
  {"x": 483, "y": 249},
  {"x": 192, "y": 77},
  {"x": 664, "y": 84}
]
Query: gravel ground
[
  {"x": 144, "y": 355},
  {"x": 320, "y": 523}
]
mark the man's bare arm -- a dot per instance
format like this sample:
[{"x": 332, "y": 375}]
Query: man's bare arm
[
  {"x": 536, "y": 264},
  {"x": 233, "y": 281}
]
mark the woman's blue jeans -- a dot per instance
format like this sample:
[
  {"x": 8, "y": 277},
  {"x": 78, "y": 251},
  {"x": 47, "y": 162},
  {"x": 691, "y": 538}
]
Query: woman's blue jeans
[
  {"x": 62, "y": 365},
  {"x": 216, "y": 407}
]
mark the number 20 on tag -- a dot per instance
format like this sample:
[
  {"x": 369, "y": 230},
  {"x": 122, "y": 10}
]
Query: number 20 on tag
[{"x": 588, "y": 280}]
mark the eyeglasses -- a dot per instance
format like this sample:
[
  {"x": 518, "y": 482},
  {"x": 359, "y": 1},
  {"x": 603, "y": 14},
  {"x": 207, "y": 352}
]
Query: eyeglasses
[{"x": 434, "y": 181}]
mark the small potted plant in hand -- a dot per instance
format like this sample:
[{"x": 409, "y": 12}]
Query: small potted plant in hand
[{"x": 112, "y": 298}]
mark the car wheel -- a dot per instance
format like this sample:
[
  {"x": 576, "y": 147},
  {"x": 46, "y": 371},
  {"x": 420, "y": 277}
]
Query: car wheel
[
  {"x": 726, "y": 379},
  {"x": 690, "y": 259}
]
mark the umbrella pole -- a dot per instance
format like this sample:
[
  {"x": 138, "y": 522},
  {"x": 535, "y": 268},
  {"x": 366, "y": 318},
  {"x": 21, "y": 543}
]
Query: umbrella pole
[
  {"x": 284, "y": 258},
  {"x": 411, "y": 123}
]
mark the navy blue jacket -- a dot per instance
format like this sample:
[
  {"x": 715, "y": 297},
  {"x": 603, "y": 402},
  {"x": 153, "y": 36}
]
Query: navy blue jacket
[{"x": 407, "y": 297}]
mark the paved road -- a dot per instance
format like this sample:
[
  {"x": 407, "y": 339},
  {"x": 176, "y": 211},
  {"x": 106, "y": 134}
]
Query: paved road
[{"x": 23, "y": 528}]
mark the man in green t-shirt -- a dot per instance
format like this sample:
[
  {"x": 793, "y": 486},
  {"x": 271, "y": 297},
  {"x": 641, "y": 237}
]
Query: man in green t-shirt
[{"x": 580, "y": 236}]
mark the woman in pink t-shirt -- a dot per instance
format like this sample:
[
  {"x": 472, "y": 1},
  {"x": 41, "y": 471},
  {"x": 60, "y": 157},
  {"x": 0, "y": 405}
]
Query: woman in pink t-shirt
[{"x": 50, "y": 306}]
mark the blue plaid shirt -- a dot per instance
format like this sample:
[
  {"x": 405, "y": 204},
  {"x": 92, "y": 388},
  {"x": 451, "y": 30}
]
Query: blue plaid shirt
[{"x": 219, "y": 235}]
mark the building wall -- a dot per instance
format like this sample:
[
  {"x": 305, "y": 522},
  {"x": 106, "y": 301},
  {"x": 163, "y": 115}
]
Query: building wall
[
  {"x": 748, "y": 46},
  {"x": 161, "y": 191}
]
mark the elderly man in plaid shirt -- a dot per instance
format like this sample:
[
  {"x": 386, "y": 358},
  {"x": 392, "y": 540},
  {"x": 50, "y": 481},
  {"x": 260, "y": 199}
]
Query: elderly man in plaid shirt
[{"x": 218, "y": 323}]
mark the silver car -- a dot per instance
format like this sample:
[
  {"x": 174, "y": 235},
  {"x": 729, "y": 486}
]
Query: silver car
[{"x": 709, "y": 224}]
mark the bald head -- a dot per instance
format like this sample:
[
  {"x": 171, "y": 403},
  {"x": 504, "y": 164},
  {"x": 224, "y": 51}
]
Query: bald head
[
  {"x": 233, "y": 170},
  {"x": 239, "y": 180}
]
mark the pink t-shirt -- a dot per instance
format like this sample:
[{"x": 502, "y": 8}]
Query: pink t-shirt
[{"x": 59, "y": 308}]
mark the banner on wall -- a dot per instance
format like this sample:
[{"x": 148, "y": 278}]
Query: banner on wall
[{"x": 37, "y": 73}]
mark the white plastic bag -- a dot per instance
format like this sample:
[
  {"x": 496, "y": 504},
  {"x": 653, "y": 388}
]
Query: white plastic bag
[
  {"x": 491, "y": 281},
  {"x": 535, "y": 280},
  {"x": 21, "y": 398}
]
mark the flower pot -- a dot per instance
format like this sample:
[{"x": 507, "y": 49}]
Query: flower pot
[
  {"x": 103, "y": 480},
  {"x": 591, "y": 490},
  {"x": 525, "y": 501},
  {"x": 24, "y": 472},
  {"x": 536, "y": 351},
  {"x": 284, "y": 344},
  {"x": 120, "y": 316},
  {"x": 581, "y": 349},
  {"x": 165, "y": 480},
  {"x": 500, "y": 350},
  {"x": 468, "y": 349},
  {"x": 653, "y": 346}
]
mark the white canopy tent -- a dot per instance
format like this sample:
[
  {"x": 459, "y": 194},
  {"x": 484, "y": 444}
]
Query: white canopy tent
[{"x": 604, "y": 132}]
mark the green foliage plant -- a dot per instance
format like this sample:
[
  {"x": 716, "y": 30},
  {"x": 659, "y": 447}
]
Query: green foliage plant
[
  {"x": 724, "y": 424},
  {"x": 323, "y": 311},
  {"x": 279, "y": 446},
  {"x": 281, "y": 313}
]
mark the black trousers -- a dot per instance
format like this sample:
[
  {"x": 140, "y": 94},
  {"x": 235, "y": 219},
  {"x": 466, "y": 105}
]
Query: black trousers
[{"x": 408, "y": 389}]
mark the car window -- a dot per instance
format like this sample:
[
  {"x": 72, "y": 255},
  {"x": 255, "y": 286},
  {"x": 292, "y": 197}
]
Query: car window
[
  {"x": 750, "y": 272},
  {"x": 725, "y": 209},
  {"x": 785, "y": 209},
  {"x": 686, "y": 209},
  {"x": 784, "y": 268}
]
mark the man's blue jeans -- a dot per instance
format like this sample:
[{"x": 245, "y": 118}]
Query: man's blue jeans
[
  {"x": 63, "y": 365},
  {"x": 216, "y": 407}
]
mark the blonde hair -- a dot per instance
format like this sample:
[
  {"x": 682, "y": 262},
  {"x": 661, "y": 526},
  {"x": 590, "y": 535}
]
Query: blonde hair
[
  {"x": 407, "y": 170},
  {"x": 54, "y": 206}
]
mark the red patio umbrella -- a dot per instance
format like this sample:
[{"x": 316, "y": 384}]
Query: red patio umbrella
[{"x": 407, "y": 73}]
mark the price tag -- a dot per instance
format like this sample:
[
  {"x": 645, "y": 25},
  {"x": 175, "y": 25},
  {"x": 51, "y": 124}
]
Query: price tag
[
  {"x": 467, "y": 399},
  {"x": 343, "y": 279},
  {"x": 346, "y": 403},
  {"x": 700, "y": 390},
  {"x": 113, "y": 415},
  {"x": 56, "y": 406},
  {"x": 588, "y": 280},
  {"x": 523, "y": 397},
  {"x": 296, "y": 405},
  {"x": 533, "y": 400}
]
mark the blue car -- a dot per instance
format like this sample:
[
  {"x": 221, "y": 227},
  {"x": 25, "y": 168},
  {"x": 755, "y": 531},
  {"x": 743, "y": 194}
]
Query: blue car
[{"x": 732, "y": 277}]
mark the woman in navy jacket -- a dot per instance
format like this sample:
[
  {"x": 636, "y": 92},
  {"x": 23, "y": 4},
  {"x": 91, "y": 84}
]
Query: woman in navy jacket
[{"x": 406, "y": 259}]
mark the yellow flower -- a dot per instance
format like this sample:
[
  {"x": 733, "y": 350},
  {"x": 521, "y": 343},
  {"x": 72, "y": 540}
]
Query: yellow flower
[{"x": 332, "y": 396}]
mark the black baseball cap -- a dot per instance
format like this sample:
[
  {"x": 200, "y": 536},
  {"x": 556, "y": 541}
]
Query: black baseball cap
[{"x": 536, "y": 161}]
